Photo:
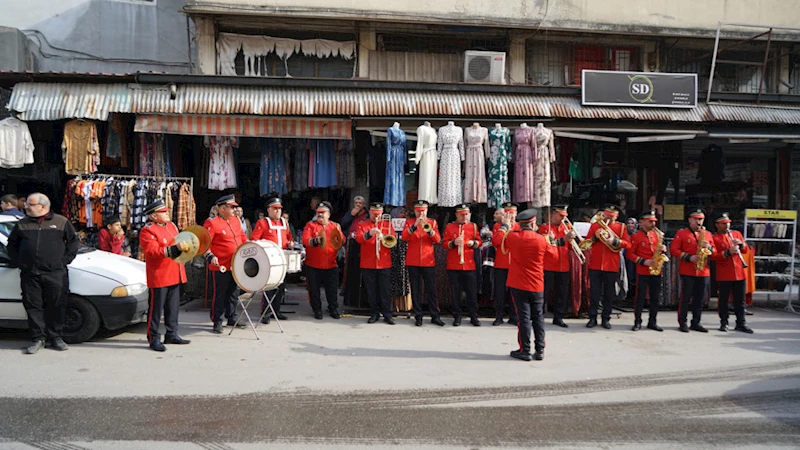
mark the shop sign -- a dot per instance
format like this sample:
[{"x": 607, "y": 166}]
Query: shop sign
[
  {"x": 673, "y": 212},
  {"x": 659, "y": 90},
  {"x": 770, "y": 214}
]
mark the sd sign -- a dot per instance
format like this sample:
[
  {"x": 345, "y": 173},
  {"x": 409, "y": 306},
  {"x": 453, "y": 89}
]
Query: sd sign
[{"x": 640, "y": 88}]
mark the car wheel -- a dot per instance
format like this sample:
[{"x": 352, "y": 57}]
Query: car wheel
[{"x": 81, "y": 320}]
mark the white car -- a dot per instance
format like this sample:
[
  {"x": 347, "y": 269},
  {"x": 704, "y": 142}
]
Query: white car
[{"x": 105, "y": 290}]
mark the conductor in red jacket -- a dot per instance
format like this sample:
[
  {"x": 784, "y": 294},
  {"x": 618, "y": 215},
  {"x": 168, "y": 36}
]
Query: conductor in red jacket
[
  {"x": 526, "y": 280},
  {"x": 376, "y": 262},
  {"x": 164, "y": 276},
  {"x": 421, "y": 262},
  {"x": 730, "y": 272},
  {"x": 461, "y": 238},
  {"x": 274, "y": 228}
]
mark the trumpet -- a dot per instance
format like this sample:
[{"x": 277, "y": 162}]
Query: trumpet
[
  {"x": 461, "y": 247},
  {"x": 575, "y": 245},
  {"x": 426, "y": 227}
]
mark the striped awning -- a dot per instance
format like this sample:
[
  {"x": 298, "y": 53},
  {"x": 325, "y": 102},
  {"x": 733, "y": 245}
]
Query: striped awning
[{"x": 215, "y": 125}]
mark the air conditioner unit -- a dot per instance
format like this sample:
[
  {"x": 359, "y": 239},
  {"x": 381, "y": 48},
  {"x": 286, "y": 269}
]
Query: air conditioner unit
[{"x": 484, "y": 67}]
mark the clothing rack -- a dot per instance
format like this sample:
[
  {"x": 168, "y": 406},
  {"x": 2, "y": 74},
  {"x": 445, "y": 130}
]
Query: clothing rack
[{"x": 139, "y": 177}]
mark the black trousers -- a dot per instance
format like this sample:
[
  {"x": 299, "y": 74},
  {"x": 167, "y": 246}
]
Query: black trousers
[
  {"x": 738, "y": 288},
  {"x": 464, "y": 281},
  {"x": 378, "y": 284},
  {"x": 226, "y": 296},
  {"x": 602, "y": 286},
  {"x": 499, "y": 290},
  {"x": 693, "y": 291},
  {"x": 166, "y": 300},
  {"x": 280, "y": 297},
  {"x": 418, "y": 275},
  {"x": 665, "y": 174},
  {"x": 527, "y": 303},
  {"x": 44, "y": 296},
  {"x": 560, "y": 282},
  {"x": 645, "y": 282},
  {"x": 327, "y": 279}
]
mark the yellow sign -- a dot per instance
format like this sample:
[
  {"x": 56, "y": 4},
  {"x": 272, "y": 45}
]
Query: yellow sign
[
  {"x": 673, "y": 212},
  {"x": 771, "y": 214}
]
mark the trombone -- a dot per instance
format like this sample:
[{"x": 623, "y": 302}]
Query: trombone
[
  {"x": 387, "y": 240},
  {"x": 461, "y": 246},
  {"x": 576, "y": 245}
]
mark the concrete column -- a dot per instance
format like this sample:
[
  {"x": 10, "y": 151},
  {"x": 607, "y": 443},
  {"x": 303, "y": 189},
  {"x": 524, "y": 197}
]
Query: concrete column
[
  {"x": 367, "y": 42},
  {"x": 206, "y": 45},
  {"x": 783, "y": 70},
  {"x": 515, "y": 63}
]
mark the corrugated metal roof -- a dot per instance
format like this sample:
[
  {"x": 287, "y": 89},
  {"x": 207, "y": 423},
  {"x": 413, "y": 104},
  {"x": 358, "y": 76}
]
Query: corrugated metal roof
[{"x": 52, "y": 101}]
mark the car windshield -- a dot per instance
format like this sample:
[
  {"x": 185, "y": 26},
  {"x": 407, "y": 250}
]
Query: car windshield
[{"x": 6, "y": 227}]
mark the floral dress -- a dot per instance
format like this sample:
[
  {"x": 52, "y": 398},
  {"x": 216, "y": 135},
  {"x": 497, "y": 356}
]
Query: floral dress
[
  {"x": 222, "y": 168},
  {"x": 450, "y": 153},
  {"x": 499, "y": 155}
]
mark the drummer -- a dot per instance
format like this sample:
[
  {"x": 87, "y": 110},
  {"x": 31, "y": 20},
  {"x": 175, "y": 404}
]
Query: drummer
[
  {"x": 321, "y": 266},
  {"x": 274, "y": 228}
]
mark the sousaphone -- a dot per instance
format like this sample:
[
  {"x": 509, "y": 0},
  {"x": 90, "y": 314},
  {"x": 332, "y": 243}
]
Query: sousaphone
[{"x": 199, "y": 241}]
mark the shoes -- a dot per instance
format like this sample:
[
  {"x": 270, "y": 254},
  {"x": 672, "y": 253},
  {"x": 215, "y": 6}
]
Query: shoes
[
  {"x": 538, "y": 355},
  {"x": 418, "y": 321},
  {"x": 232, "y": 323},
  {"x": 59, "y": 344},
  {"x": 636, "y": 326},
  {"x": 372, "y": 319},
  {"x": 281, "y": 316},
  {"x": 560, "y": 323},
  {"x": 698, "y": 327},
  {"x": 747, "y": 312},
  {"x": 35, "y": 347},
  {"x": 318, "y": 315},
  {"x": 475, "y": 322},
  {"x": 512, "y": 322},
  {"x": 606, "y": 324},
  {"x": 498, "y": 321},
  {"x": 519, "y": 354},
  {"x": 592, "y": 323},
  {"x": 217, "y": 328},
  {"x": 457, "y": 322},
  {"x": 437, "y": 321},
  {"x": 177, "y": 340},
  {"x": 158, "y": 346},
  {"x": 744, "y": 329},
  {"x": 336, "y": 315},
  {"x": 723, "y": 327},
  {"x": 655, "y": 327},
  {"x": 684, "y": 328},
  {"x": 389, "y": 320},
  {"x": 265, "y": 320}
]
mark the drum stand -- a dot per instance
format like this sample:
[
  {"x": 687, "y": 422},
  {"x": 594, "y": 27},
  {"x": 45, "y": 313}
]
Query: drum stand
[{"x": 268, "y": 309}]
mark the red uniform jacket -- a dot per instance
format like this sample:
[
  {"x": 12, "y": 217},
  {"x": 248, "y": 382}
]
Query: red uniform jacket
[
  {"x": 527, "y": 261},
  {"x": 451, "y": 232},
  {"x": 502, "y": 261},
  {"x": 109, "y": 243},
  {"x": 226, "y": 237},
  {"x": 602, "y": 257},
  {"x": 729, "y": 268},
  {"x": 161, "y": 271},
  {"x": 683, "y": 246},
  {"x": 316, "y": 256},
  {"x": 420, "y": 244},
  {"x": 368, "y": 258},
  {"x": 279, "y": 233},
  {"x": 643, "y": 245},
  {"x": 560, "y": 262}
]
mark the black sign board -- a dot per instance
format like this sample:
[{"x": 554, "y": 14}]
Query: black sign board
[{"x": 658, "y": 90}]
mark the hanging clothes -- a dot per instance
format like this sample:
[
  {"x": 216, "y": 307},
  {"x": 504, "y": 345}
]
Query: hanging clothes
[
  {"x": 345, "y": 164},
  {"x": 147, "y": 153},
  {"x": 300, "y": 165},
  {"x": 450, "y": 153},
  {"x": 273, "y": 167},
  {"x": 16, "y": 144},
  {"x": 80, "y": 149},
  {"x": 221, "y": 170},
  {"x": 499, "y": 155},
  {"x": 524, "y": 154},
  {"x": 544, "y": 157},
  {"x": 477, "y": 140},
  {"x": 400, "y": 284},
  {"x": 425, "y": 159},
  {"x": 323, "y": 169},
  {"x": 395, "y": 192}
]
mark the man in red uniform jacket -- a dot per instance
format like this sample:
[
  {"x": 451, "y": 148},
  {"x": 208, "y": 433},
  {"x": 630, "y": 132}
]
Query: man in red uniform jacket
[
  {"x": 421, "y": 262},
  {"x": 730, "y": 272},
  {"x": 604, "y": 264},
  {"x": 321, "y": 267},
  {"x": 226, "y": 236},
  {"x": 274, "y": 228},
  {"x": 556, "y": 274},
  {"x": 376, "y": 262},
  {"x": 694, "y": 283},
  {"x": 641, "y": 252},
  {"x": 461, "y": 238},
  {"x": 164, "y": 276},
  {"x": 502, "y": 261},
  {"x": 526, "y": 280},
  {"x": 110, "y": 238}
]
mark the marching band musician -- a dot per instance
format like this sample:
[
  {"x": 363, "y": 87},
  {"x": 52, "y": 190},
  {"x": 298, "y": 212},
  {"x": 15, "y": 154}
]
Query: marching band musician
[
  {"x": 376, "y": 262},
  {"x": 641, "y": 252},
  {"x": 556, "y": 274},
  {"x": 502, "y": 261},
  {"x": 164, "y": 276},
  {"x": 420, "y": 260},
  {"x": 526, "y": 280},
  {"x": 604, "y": 264},
  {"x": 274, "y": 228},
  {"x": 730, "y": 272},
  {"x": 687, "y": 245},
  {"x": 321, "y": 267},
  {"x": 461, "y": 238},
  {"x": 226, "y": 236}
]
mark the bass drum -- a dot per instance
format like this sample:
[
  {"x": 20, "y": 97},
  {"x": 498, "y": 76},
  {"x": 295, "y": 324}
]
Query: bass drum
[{"x": 259, "y": 266}]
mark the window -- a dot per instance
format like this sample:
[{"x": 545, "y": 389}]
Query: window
[
  {"x": 561, "y": 64},
  {"x": 437, "y": 43}
]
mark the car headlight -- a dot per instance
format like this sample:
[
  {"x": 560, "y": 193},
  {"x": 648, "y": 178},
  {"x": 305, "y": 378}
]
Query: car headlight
[{"x": 128, "y": 291}]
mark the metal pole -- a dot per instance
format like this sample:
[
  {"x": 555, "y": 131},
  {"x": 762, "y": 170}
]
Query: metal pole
[
  {"x": 713, "y": 63},
  {"x": 764, "y": 70}
]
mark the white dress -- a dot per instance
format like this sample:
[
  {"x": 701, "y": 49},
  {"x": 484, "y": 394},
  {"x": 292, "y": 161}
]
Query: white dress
[
  {"x": 450, "y": 153},
  {"x": 426, "y": 164},
  {"x": 475, "y": 190}
]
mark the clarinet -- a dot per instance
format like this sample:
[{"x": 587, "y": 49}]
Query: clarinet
[{"x": 741, "y": 258}]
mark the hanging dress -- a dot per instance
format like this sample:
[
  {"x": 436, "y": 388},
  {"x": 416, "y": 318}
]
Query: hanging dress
[
  {"x": 523, "y": 165},
  {"x": 477, "y": 152},
  {"x": 273, "y": 167},
  {"x": 395, "y": 192},
  {"x": 499, "y": 155},
  {"x": 544, "y": 156},
  {"x": 221, "y": 170},
  {"x": 450, "y": 153},
  {"x": 425, "y": 159}
]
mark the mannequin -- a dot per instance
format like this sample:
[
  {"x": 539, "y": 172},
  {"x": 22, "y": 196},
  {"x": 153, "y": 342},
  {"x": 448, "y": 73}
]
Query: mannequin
[
  {"x": 426, "y": 163},
  {"x": 497, "y": 126},
  {"x": 477, "y": 152},
  {"x": 450, "y": 153},
  {"x": 395, "y": 191},
  {"x": 499, "y": 154},
  {"x": 523, "y": 125}
]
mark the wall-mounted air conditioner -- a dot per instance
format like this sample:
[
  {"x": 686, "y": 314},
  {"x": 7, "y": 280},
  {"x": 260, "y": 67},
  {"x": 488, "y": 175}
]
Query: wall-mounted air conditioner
[{"x": 484, "y": 67}]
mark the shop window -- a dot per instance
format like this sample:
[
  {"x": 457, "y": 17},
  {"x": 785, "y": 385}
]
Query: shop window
[
  {"x": 297, "y": 65},
  {"x": 451, "y": 43},
  {"x": 794, "y": 75},
  {"x": 561, "y": 64}
]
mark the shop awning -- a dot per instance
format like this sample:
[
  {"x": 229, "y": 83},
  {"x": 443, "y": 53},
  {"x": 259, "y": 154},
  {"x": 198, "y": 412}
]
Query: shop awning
[{"x": 218, "y": 125}]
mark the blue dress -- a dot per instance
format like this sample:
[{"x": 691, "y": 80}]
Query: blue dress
[
  {"x": 395, "y": 192},
  {"x": 273, "y": 167}
]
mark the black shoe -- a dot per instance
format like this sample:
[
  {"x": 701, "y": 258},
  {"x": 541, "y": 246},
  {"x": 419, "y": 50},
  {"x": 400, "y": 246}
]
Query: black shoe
[
  {"x": 318, "y": 315},
  {"x": 457, "y": 322},
  {"x": 519, "y": 354},
  {"x": 59, "y": 344},
  {"x": 158, "y": 346},
  {"x": 744, "y": 329},
  {"x": 512, "y": 322},
  {"x": 747, "y": 312},
  {"x": 684, "y": 328},
  {"x": 237, "y": 325},
  {"x": 498, "y": 321},
  {"x": 606, "y": 324},
  {"x": 217, "y": 328},
  {"x": 35, "y": 347},
  {"x": 538, "y": 355},
  {"x": 372, "y": 319},
  {"x": 592, "y": 323},
  {"x": 655, "y": 327},
  {"x": 265, "y": 320},
  {"x": 336, "y": 315},
  {"x": 636, "y": 326},
  {"x": 437, "y": 321},
  {"x": 389, "y": 320},
  {"x": 418, "y": 321},
  {"x": 281, "y": 316},
  {"x": 723, "y": 327},
  {"x": 560, "y": 323},
  {"x": 177, "y": 340},
  {"x": 475, "y": 322},
  {"x": 698, "y": 327}
]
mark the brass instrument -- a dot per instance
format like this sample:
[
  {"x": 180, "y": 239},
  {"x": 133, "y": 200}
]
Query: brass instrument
[
  {"x": 336, "y": 238},
  {"x": 575, "y": 247},
  {"x": 388, "y": 240},
  {"x": 426, "y": 227},
  {"x": 461, "y": 247},
  {"x": 605, "y": 233},
  {"x": 377, "y": 240},
  {"x": 659, "y": 258},
  {"x": 702, "y": 252},
  {"x": 741, "y": 258},
  {"x": 323, "y": 240},
  {"x": 199, "y": 241}
]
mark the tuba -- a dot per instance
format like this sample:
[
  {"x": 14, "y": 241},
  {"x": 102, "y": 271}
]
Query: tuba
[
  {"x": 659, "y": 258},
  {"x": 702, "y": 252},
  {"x": 199, "y": 241}
]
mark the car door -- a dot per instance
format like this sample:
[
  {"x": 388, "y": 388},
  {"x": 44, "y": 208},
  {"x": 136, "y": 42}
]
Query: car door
[{"x": 11, "y": 307}]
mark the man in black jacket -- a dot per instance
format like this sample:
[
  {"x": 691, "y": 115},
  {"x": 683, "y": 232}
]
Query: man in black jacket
[{"x": 42, "y": 245}]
